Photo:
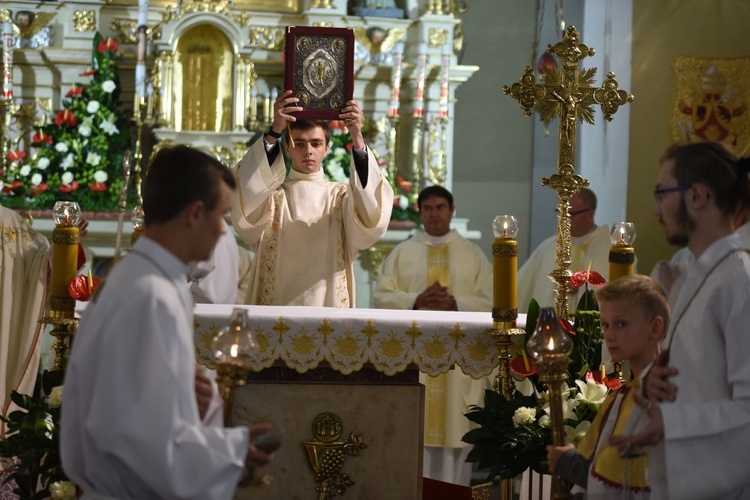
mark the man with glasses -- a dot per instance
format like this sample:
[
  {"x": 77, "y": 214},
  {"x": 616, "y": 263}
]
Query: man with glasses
[
  {"x": 698, "y": 390},
  {"x": 589, "y": 244},
  {"x": 306, "y": 231}
]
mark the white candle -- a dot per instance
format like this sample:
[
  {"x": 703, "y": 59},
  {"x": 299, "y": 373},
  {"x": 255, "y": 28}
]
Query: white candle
[
  {"x": 398, "y": 58},
  {"x": 253, "y": 104},
  {"x": 444, "y": 69},
  {"x": 419, "y": 88},
  {"x": 266, "y": 109},
  {"x": 140, "y": 64},
  {"x": 7, "y": 60}
]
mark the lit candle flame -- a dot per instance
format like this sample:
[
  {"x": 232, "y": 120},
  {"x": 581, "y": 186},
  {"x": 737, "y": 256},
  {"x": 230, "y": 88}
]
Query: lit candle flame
[
  {"x": 551, "y": 344},
  {"x": 234, "y": 351},
  {"x": 622, "y": 235}
]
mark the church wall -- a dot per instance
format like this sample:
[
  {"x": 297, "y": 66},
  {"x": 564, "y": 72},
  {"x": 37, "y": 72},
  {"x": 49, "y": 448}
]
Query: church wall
[
  {"x": 493, "y": 139},
  {"x": 662, "y": 31}
]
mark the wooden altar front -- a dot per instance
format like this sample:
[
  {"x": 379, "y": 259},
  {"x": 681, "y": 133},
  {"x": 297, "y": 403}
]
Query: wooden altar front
[{"x": 363, "y": 366}]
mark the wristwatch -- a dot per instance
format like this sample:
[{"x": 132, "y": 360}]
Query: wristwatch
[{"x": 273, "y": 133}]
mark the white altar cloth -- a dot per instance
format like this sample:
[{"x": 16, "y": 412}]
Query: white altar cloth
[{"x": 347, "y": 339}]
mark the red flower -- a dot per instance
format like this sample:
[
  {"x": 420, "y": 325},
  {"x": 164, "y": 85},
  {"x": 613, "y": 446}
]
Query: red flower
[
  {"x": 12, "y": 187},
  {"x": 35, "y": 190},
  {"x": 395, "y": 201},
  {"x": 15, "y": 155},
  {"x": 98, "y": 186},
  {"x": 65, "y": 117},
  {"x": 108, "y": 45},
  {"x": 518, "y": 366},
  {"x": 67, "y": 188},
  {"x": 567, "y": 326},
  {"x": 40, "y": 137},
  {"x": 403, "y": 184},
  {"x": 349, "y": 146},
  {"x": 80, "y": 289},
  {"x": 336, "y": 125},
  {"x": 591, "y": 277},
  {"x": 75, "y": 91},
  {"x": 88, "y": 72},
  {"x": 596, "y": 376}
]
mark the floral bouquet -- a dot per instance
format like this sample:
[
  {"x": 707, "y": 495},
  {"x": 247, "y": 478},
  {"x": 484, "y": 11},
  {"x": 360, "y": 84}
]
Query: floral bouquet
[
  {"x": 513, "y": 435},
  {"x": 32, "y": 442},
  {"x": 78, "y": 156}
]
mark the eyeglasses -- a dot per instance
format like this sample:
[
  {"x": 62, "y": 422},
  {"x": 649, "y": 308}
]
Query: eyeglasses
[
  {"x": 660, "y": 192},
  {"x": 576, "y": 212}
]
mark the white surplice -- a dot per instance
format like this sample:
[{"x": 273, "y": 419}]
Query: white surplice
[
  {"x": 216, "y": 279},
  {"x": 533, "y": 277},
  {"x": 24, "y": 264},
  {"x": 707, "y": 429},
  {"x": 306, "y": 231},
  {"x": 401, "y": 278},
  {"x": 130, "y": 421}
]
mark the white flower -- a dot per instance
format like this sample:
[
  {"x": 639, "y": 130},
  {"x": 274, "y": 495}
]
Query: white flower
[
  {"x": 100, "y": 176},
  {"x": 67, "y": 162},
  {"x": 336, "y": 172},
  {"x": 524, "y": 415},
  {"x": 339, "y": 152},
  {"x": 36, "y": 179},
  {"x": 93, "y": 159},
  {"x": 109, "y": 127},
  {"x": 55, "y": 397},
  {"x": 14, "y": 165},
  {"x": 42, "y": 164},
  {"x": 575, "y": 435},
  {"x": 67, "y": 178},
  {"x": 109, "y": 86},
  {"x": 403, "y": 202},
  {"x": 544, "y": 421},
  {"x": 591, "y": 392},
  {"x": 93, "y": 107},
  {"x": 62, "y": 490},
  {"x": 25, "y": 171},
  {"x": 84, "y": 129},
  {"x": 61, "y": 147}
]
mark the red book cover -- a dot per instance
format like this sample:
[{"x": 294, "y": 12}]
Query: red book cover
[{"x": 319, "y": 68}]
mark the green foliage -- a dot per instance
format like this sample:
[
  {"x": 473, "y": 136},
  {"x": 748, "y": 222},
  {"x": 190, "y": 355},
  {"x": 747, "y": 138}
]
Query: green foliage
[
  {"x": 32, "y": 438},
  {"x": 78, "y": 155}
]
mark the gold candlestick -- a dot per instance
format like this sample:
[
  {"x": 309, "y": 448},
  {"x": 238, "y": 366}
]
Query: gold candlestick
[
  {"x": 60, "y": 305},
  {"x": 233, "y": 348},
  {"x": 392, "y": 145}
]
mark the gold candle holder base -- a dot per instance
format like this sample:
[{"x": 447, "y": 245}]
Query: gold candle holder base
[
  {"x": 229, "y": 377},
  {"x": 553, "y": 371},
  {"x": 63, "y": 329},
  {"x": 502, "y": 332}
]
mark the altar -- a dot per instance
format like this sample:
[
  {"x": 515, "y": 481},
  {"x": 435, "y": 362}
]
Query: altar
[{"x": 361, "y": 365}]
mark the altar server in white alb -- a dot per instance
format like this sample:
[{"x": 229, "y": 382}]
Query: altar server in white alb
[
  {"x": 306, "y": 231},
  {"x": 699, "y": 394},
  {"x": 439, "y": 269},
  {"x": 136, "y": 421}
]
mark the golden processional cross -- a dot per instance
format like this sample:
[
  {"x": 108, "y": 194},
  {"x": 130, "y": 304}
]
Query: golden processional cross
[{"x": 568, "y": 94}]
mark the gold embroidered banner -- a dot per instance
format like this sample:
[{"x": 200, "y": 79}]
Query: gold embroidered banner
[
  {"x": 389, "y": 340},
  {"x": 712, "y": 101}
]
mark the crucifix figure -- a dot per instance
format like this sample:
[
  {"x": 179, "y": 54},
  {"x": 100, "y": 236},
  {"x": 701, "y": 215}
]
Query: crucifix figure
[{"x": 569, "y": 94}]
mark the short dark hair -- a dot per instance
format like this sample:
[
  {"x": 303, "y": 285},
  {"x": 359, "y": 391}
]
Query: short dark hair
[
  {"x": 642, "y": 291},
  {"x": 431, "y": 191},
  {"x": 588, "y": 197},
  {"x": 714, "y": 165},
  {"x": 307, "y": 125},
  {"x": 178, "y": 176}
]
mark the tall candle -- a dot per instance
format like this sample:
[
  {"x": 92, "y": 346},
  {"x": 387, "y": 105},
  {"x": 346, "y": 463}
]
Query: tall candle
[
  {"x": 444, "y": 70},
  {"x": 622, "y": 253},
  {"x": 140, "y": 63},
  {"x": 65, "y": 239},
  {"x": 505, "y": 269},
  {"x": 398, "y": 58},
  {"x": 419, "y": 88},
  {"x": 7, "y": 31},
  {"x": 253, "y": 104},
  {"x": 266, "y": 108}
]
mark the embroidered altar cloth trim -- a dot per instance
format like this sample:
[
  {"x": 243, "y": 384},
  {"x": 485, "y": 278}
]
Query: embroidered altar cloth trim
[{"x": 389, "y": 340}]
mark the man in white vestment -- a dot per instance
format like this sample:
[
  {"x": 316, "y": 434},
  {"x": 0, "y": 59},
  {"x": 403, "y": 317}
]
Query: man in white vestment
[
  {"x": 439, "y": 269},
  {"x": 135, "y": 418},
  {"x": 699, "y": 390},
  {"x": 221, "y": 278},
  {"x": 305, "y": 231},
  {"x": 24, "y": 265},
  {"x": 588, "y": 243}
]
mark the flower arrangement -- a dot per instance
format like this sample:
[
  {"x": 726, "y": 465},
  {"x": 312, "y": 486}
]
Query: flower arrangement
[
  {"x": 78, "y": 155},
  {"x": 336, "y": 168},
  {"x": 512, "y": 435},
  {"x": 32, "y": 442}
]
